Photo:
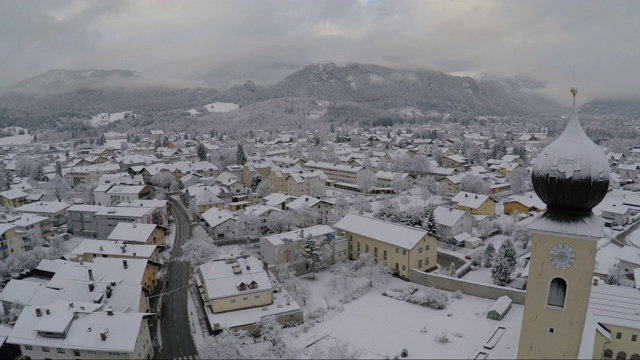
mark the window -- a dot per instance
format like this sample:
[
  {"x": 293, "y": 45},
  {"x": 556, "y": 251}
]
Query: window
[
  {"x": 233, "y": 301},
  {"x": 621, "y": 355},
  {"x": 420, "y": 249},
  {"x": 91, "y": 352},
  {"x": 552, "y": 331},
  {"x": 28, "y": 347},
  {"x": 404, "y": 252},
  {"x": 245, "y": 298},
  {"x": 375, "y": 252},
  {"x": 404, "y": 267},
  {"x": 384, "y": 255},
  {"x": 60, "y": 351},
  {"x": 426, "y": 248},
  {"x": 350, "y": 246},
  {"x": 557, "y": 292},
  {"x": 358, "y": 246},
  {"x": 45, "y": 349},
  {"x": 608, "y": 354},
  {"x": 635, "y": 357},
  {"x": 426, "y": 261},
  {"x": 634, "y": 338},
  {"x": 366, "y": 248},
  {"x": 257, "y": 296},
  {"x": 419, "y": 263},
  {"x": 76, "y": 352},
  {"x": 397, "y": 251},
  {"x": 619, "y": 335}
]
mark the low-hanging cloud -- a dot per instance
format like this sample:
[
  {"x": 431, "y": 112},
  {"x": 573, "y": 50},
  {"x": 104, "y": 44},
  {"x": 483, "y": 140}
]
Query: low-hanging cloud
[{"x": 222, "y": 43}]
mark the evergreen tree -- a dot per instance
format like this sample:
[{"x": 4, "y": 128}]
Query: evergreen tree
[
  {"x": 58, "y": 169},
  {"x": 165, "y": 142},
  {"x": 156, "y": 144},
  {"x": 39, "y": 175},
  {"x": 332, "y": 128},
  {"x": 241, "y": 157},
  {"x": 431, "y": 226},
  {"x": 255, "y": 181},
  {"x": 504, "y": 264},
  {"x": 101, "y": 140},
  {"x": 4, "y": 185},
  {"x": 489, "y": 253},
  {"x": 312, "y": 255},
  {"x": 202, "y": 152}
]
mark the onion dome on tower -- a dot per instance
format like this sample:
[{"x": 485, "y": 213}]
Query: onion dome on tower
[{"x": 571, "y": 175}]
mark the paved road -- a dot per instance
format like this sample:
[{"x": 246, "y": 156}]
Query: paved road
[
  {"x": 623, "y": 237},
  {"x": 177, "y": 341}
]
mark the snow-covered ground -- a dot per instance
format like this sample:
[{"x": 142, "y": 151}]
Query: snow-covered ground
[
  {"x": 105, "y": 118},
  {"x": 172, "y": 235},
  {"x": 16, "y": 140},
  {"x": 383, "y": 326},
  {"x": 221, "y": 107}
]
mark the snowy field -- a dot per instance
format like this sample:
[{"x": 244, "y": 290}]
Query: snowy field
[
  {"x": 383, "y": 326},
  {"x": 222, "y": 107},
  {"x": 105, "y": 118},
  {"x": 15, "y": 139}
]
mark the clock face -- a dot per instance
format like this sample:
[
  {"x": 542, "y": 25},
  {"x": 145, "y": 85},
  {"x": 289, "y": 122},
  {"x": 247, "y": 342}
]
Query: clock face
[{"x": 562, "y": 256}]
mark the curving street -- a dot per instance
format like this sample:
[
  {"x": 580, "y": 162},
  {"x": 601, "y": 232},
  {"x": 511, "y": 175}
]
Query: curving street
[{"x": 177, "y": 341}]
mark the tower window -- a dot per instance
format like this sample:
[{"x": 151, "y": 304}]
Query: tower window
[
  {"x": 552, "y": 330},
  {"x": 608, "y": 354},
  {"x": 621, "y": 355},
  {"x": 619, "y": 335},
  {"x": 557, "y": 292}
]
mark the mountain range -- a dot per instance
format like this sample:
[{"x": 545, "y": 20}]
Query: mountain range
[{"x": 364, "y": 87}]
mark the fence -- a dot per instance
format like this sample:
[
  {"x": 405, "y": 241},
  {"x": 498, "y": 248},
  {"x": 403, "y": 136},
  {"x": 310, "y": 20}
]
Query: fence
[{"x": 448, "y": 283}]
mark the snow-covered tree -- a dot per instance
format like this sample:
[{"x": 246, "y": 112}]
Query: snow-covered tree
[
  {"x": 270, "y": 330},
  {"x": 420, "y": 165},
  {"x": 504, "y": 263},
  {"x": 163, "y": 179},
  {"x": 342, "y": 205},
  {"x": 241, "y": 157},
  {"x": 306, "y": 216},
  {"x": 226, "y": 345},
  {"x": 247, "y": 225},
  {"x": 339, "y": 349},
  {"x": 366, "y": 180},
  {"x": 430, "y": 223},
  {"x": 255, "y": 181},
  {"x": 14, "y": 312},
  {"x": 279, "y": 222},
  {"x": 522, "y": 235},
  {"x": 58, "y": 188},
  {"x": 312, "y": 255},
  {"x": 397, "y": 183},
  {"x": 361, "y": 204},
  {"x": 404, "y": 200},
  {"x": 452, "y": 269},
  {"x": 475, "y": 184},
  {"x": 368, "y": 268},
  {"x": 4, "y": 185},
  {"x": 201, "y": 150},
  {"x": 489, "y": 253},
  {"x": 264, "y": 188},
  {"x": 519, "y": 180},
  {"x": 199, "y": 249},
  {"x": 428, "y": 184},
  {"x": 58, "y": 169},
  {"x": 366, "y": 162},
  {"x": 403, "y": 163}
]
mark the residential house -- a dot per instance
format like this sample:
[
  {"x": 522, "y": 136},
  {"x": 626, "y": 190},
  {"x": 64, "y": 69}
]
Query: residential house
[
  {"x": 206, "y": 200},
  {"x": 475, "y": 204},
  {"x": 90, "y": 249},
  {"x": 87, "y": 175},
  {"x": 401, "y": 247},
  {"x": 278, "y": 200},
  {"x": 523, "y": 204},
  {"x": 285, "y": 248},
  {"x": 262, "y": 212},
  {"x": 30, "y": 228},
  {"x": 13, "y": 198},
  {"x": 451, "y": 222},
  {"x": 238, "y": 292},
  {"x": 336, "y": 172},
  {"x": 112, "y": 195},
  {"x": 385, "y": 179},
  {"x": 615, "y": 214},
  {"x": 254, "y": 168},
  {"x": 312, "y": 183},
  {"x": 134, "y": 233},
  {"x": 55, "y": 211},
  {"x": 10, "y": 243},
  {"x": 60, "y": 330},
  {"x": 628, "y": 171},
  {"x": 108, "y": 217},
  {"x": 321, "y": 207},
  {"x": 457, "y": 162},
  {"x": 219, "y": 223}
]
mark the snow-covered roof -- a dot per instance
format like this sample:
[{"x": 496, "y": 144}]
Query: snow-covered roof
[
  {"x": 86, "y": 208},
  {"x": 590, "y": 226},
  {"x": 329, "y": 166},
  {"x": 614, "y": 208},
  {"x": 397, "y": 235},
  {"x": 501, "y": 305},
  {"x": 615, "y": 305},
  {"x": 469, "y": 200},
  {"x": 132, "y": 232},
  {"x": 629, "y": 254},
  {"x": 124, "y": 211},
  {"x": 530, "y": 201},
  {"x": 102, "y": 247},
  {"x": 214, "y": 216},
  {"x": 43, "y": 207},
  {"x": 13, "y": 194},
  {"x": 259, "y": 210},
  {"x": 297, "y": 235},
  {"x": 447, "y": 216},
  {"x": 276, "y": 199},
  {"x": 303, "y": 201},
  {"x": 221, "y": 281}
]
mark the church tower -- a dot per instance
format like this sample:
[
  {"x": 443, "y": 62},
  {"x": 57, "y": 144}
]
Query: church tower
[{"x": 571, "y": 176}]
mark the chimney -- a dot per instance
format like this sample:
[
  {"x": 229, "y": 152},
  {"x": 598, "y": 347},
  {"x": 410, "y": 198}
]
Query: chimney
[
  {"x": 91, "y": 286},
  {"x": 38, "y": 312},
  {"x": 90, "y": 271},
  {"x": 476, "y": 196},
  {"x": 101, "y": 248},
  {"x": 134, "y": 255},
  {"x": 124, "y": 264},
  {"x": 110, "y": 311},
  {"x": 81, "y": 262},
  {"x": 134, "y": 225},
  {"x": 70, "y": 305},
  {"x": 595, "y": 281},
  {"x": 123, "y": 248},
  {"x": 103, "y": 335},
  {"x": 109, "y": 291},
  {"x": 48, "y": 311}
]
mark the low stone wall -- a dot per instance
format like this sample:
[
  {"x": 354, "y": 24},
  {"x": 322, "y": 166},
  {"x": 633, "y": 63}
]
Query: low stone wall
[{"x": 448, "y": 283}]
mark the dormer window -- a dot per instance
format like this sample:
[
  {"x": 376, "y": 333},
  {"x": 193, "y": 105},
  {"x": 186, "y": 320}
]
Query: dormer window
[
  {"x": 242, "y": 287},
  {"x": 253, "y": 285}
]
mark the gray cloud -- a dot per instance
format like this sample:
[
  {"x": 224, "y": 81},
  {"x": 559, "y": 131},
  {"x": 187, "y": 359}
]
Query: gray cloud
[{"x": 228, "y": 42}]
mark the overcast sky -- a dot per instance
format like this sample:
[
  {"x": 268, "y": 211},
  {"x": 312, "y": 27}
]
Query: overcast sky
[{"x": 227, "y": 42}]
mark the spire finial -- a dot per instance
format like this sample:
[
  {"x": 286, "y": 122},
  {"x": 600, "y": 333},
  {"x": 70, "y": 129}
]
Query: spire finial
[{"x": 574, "y": 91}]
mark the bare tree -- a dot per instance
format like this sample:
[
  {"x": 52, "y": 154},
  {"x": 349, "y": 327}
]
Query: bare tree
[{"x": 366, "y": 180}]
